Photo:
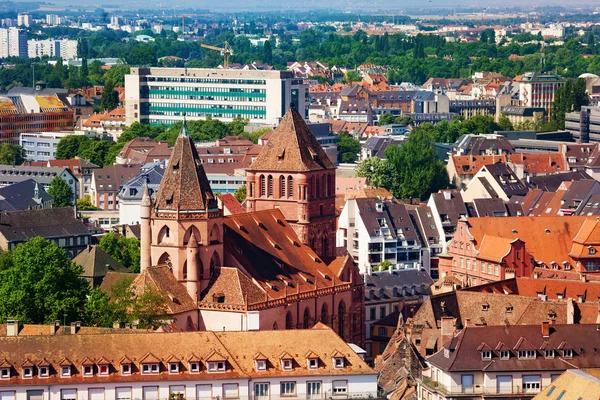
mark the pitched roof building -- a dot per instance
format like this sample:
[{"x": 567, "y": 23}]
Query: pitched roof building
[
  {"x": 24, "y": 195},
  {"x": 96, "y": 263}
]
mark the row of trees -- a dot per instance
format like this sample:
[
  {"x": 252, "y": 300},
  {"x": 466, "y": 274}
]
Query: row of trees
[{"x": 39, "y": 284}]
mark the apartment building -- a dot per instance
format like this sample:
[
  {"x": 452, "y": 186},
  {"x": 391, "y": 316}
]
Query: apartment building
[
  {"x": 13, "y": 43},
  {"x": 376, "y": 231},
  {"x": 64, "y": 48},
  {"x": 41, "y": 146},
  {"x": 312, "y": 363},
  {"x": 10, "y": 174},
  {"x": 24, "y": 19},
  {"x": 164, "y": 95},
  {"x": 538, "y": 89},
  {"x": 107, "y": 183},
  {"x": 585, "y": 124},
  {"x": 507, "y": 360}
]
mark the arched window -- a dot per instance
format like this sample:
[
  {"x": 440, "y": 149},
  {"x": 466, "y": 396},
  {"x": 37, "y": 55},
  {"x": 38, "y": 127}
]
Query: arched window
[
  {"x": 263, "y": 186},
  {"x": 270, "y": 186},
  {"x": 215, "y": 234},
  {"x": 289, "y": 321},
  {"x": 318, "y": 188},
  {"x": 341, "y": 319},
  {"x": 185, "y": 274},
  {"x": 164, "y": 259},
  {"x": 290, "y": 187},
  {"x": 275, "y": 327},
  {"x": 324, "y": 314},
  {"x": 324, "y": 245},
  {"x": 215, "y": 262},
  {"x": 306, "y": 320},
  {"x": 192, "y": 230},
  {"x": 163, "y": 234},
  {"x": 282, "y": 186}
]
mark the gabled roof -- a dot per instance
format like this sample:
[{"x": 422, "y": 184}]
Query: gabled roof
[
  {"x": 96, "y": 262},
  {"x": 48, "y": 222},
  {"x": 160, "y": 278},
  {"x": 149, "y": 358},
  {"x": 292, "y": 147},
  {"x": 184, "y": 186}
]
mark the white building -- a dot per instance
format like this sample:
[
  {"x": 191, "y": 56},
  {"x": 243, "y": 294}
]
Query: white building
[
  {"x": 260, "y": 365},
  {"x": 374, "y": 231},
  {"x": 24, "y": 19},
  {"x": 163, "y": 95},
  {"x": 13, "y": 43},
  {"x": 41, "y": 146},
  {"x": 52, "y": 19},
  {"x": 64, "y": 48}
]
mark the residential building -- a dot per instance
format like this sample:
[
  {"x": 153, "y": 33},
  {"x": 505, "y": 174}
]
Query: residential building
[
  {"x": 376, "y": 146},
  {"x": 81, "y": 169},
  {"x": 96, "y": 263},
  {"x": 490, "y": 249},
  {"x": 447, "y": 208},
  {"x": 519, "y": 114},
  {"x": 382, "y": 332},
  {"x": 388, "y": 292},
  {"x": 111, "y": 123},
  {"x": 121, "y": 364},
  {"x": 494, "y": 181},
  {"x": 164, "y": 95},
  {"x": 585, "y": 124},
  {"x": 482, "y": 145},
  {"x": 186, "y": 241},
  {"x": 294, "y": 174},
  {"x": 32, "y": 113},
  {"x": 58, "y": 225},
  {"x": 13, "y": 43},
  {"x": 505, "y": 360},
  {"x": 11, "y": 174},
  {"x": 24, "y": 195},
  {"x": 41, "y": 146},
  {"x": 143, "y": 150},
  {"x": 131, "y": 192},
  {"x": 53, "y": 48},
  {"x": 230, "y": 205},
  {"x": 107, "y": 183},
  {"x": 573, "y": 384},
  {"x": 469, "y": 108},
  {"x": 24, "y": 19},
  {"x": 538, "y": 89}
]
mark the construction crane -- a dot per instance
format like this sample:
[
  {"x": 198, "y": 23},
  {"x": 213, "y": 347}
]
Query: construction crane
[{"x": 226, "y": 51}]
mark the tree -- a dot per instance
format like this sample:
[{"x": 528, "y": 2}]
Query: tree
[
  {"x": 386, "y": 119},
  {"x": 85, "y": 204},
  {"x": 41, "y": 285},
  {"x": 71, "y": 146},
  {"x": 124, "y": 250},
  {"x": 348, "y": 148},
  {"x": 11, "y": 154},
  {"x": 504, "y": 123},
  {"x": 377, "y": 171},
  {"x": 96, "y": 151},
  {"x": 61, "y": 192},
  {"x": 267, "y": 52},
  {"x": 97, "y": 310},
  {"x": 568, "y": 98},
  {"x": 352, "y": 76},
  {"x": 110, "y": 97},
  {"x": 382, "y": 266},
  {"x": 240, "y": 193}
]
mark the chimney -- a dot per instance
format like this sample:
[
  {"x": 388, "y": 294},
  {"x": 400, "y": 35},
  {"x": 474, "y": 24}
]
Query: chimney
[
  {"x": 12, "y": 327},
  {"x": 116, "y": 325},
  {"x": 75, "y": 327},
  {"x": 546, "y": 329},
  {"x": 583, "y": 278},
  {"x": 54, "y": 327},
  {"x": 447, "y": 195},
  {"x": 467, "y": 322},
  {"x": 570, "y": 311},
  {"x": 447, "y": 329}
]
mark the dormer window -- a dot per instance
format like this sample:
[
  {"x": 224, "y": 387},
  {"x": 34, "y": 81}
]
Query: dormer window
[
  {"x": 103, "y": 369},
  {"x": 65, "y": 371},
  {"x": 126, "y": 369},
  {"x": 150, "y": 369},
  {"x": 216, "y": 366},
  {"x": 5, "y": 373},
  {"x": 486, "y": 355},
  {"x": 338, "y": 362},
  {"x": 591, "y": 251},
  {"x": 261, "y": 365},
  {"x": 526, "y": 354},
  {"x": 567, "y": 353},
  {"x": 173, "y": 367},
  {"x": 504, "y": 354},
  {"x": 485, "y": 307},
  {"x": 43, "y": 372},
  {"x": 88, "y": 370},
  {"x": 27, "y": 372},
  {"x": 549, "y": 353},
  {"x": 313, "y": 363},
  {"x": 286, "y": 364},
  {"x": 194, "y": 367}
]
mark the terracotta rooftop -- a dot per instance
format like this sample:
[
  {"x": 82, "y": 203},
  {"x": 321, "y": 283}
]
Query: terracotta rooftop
[
  {"x": 161, "y": 279},
  {"x": 469, "y": 165},
  {"x": 230, "y": 203},
  {"x": 542, "y": 163},
  {"x": 292, "y": 147},
  {"x": 184, "y": 186}
]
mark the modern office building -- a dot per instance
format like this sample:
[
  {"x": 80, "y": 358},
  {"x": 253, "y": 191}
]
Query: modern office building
[
  {"x": 584, "y": 125},
  {"x": 41, "y": 146},
  {"x": 13, "y": 43},
  {"x": 164, "y": 95},
  {"x": 538, "y": 89}
]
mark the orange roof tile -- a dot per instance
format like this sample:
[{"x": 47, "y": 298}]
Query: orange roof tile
[
  {"x": 494, "y": 248},
  {"x": 469, "y": 165},
  {"x": 543, "y": 163}
]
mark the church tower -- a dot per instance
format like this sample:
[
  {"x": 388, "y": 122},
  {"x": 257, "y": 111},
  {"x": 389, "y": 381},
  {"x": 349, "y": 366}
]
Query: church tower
[
  {"x": 293, "y": 173},
  {"x": 186, "y": 225}
]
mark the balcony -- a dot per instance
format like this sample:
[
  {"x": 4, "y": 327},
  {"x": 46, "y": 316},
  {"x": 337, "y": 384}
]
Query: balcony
[{"x": 460, "y": 391}]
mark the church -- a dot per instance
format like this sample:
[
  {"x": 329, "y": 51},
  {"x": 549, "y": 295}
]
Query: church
[{"x": 273, "y": 267}]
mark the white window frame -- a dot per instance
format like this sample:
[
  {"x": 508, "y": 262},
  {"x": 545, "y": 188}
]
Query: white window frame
[
  {"x": 486, "y": 355},
  {"x": 286, "y": 364},
  {"x": 261, "y": 365},
  {"x": 28, "y": 372},
  {"x": 194, "y": 367},
  {"x": 568, "y": 353},
  {"x": 126, "y": 369},
  {"x": 173, "y": 368},
  {"x": 310, "y": 389},
  {"x": 504, "y": 354},
  {"x": 87, "y": 370},
  {"x": 549, "y": 353},
  {"x": 287, "y": 389},
  {"x": 65, "y": 371},
  {"x": 44, "y": 372},
  {"x": 338, "y": 362},
  {"x": 312, "y": 363},
  {"x": 5, "y": 373},
  {"x": 237, "y": 387},
  {"x": 103, "y": 373},
  {"x": 213, "y": 366},
  {"x": 339, "y": 391}
]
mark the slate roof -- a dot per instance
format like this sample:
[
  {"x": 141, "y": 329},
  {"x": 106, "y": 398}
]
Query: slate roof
[
  {"x": 464, "y": 355},
  {"x": 96, "y": 262},
  {"x": 23, "y": 195},
  {"x": 185, "y": 186},
  {"x": 18, "y": 173},
  {"x": 453, "y": 207},
  {"x": 386, "y": 285},
  {"x": 292, "y": 147},
  {"x": 150, "y": 175},
  {"x": 47, "y": 223},
  {"x": 552, "y": 182}
]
